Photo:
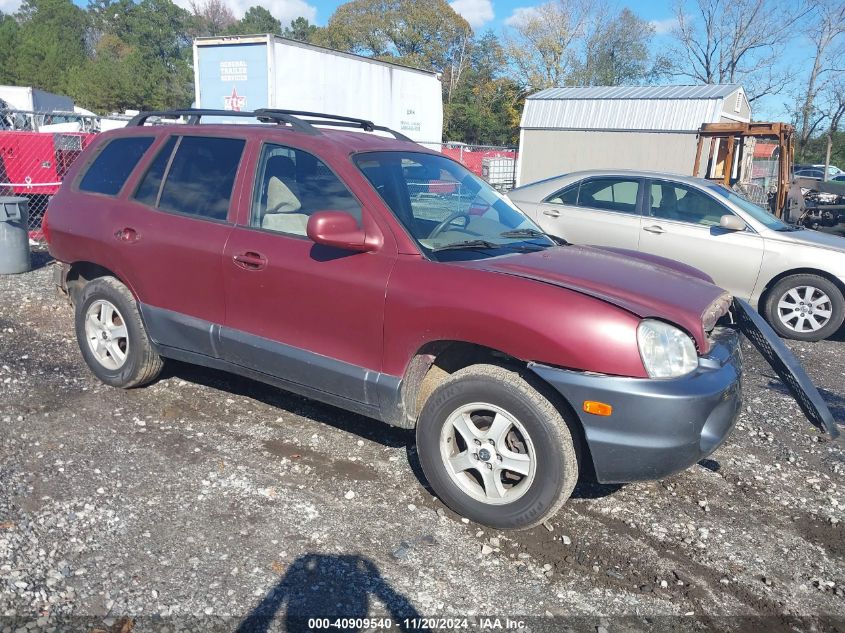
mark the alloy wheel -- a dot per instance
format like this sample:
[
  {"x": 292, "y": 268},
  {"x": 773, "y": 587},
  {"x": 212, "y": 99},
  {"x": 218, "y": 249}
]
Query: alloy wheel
[
  {"x": 106, "y": 333},
  {"x": 804, "y": 309},
  {"x": 488, "y": 453}
]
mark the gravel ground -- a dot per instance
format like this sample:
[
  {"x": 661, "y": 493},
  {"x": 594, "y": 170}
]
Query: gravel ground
[{"x": 208, "y": 495}]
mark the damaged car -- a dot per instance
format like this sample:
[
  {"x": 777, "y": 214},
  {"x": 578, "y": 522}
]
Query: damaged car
[{"x": 369, "y": 273}]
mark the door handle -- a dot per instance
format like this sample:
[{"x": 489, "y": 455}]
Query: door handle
[
  {"x": 126, "y": 234},
  {"x": 552, "y": 213},
  {"x": 250, "y": 260},
  {"x": 654, "y": 229}
]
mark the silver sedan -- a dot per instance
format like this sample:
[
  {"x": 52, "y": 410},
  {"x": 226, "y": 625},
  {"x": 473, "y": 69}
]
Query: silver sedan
[{"x": 794, "y": 277}]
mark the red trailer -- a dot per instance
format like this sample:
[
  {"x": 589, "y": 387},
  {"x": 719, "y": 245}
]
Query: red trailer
[{"x": 33, "y": 164}]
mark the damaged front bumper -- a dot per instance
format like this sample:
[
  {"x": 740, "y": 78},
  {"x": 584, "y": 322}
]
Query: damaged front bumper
[
  {"x": 657, "y": 426},
  {"x": 660, "y": 427}
]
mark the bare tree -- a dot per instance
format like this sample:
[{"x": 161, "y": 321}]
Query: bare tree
[
  {"x": 542, "y": 42},
  {"x": 616, "y": 50},
  {"x": 213, "y": 16},
  {"x": 827, "y": 33},
  {"x": 735, "y": 41},
  {"x": 458, "y": 63},
  {"x": 833, "y": 111}
]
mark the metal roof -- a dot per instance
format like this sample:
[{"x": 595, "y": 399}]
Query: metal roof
[
  {"x": 709, "y": 91},
  {"x": 648, "y": 108}
]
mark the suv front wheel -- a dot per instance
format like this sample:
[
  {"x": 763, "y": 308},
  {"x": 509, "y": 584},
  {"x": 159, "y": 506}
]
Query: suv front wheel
[
  {"x": 495, "y": 450},
  {"x": 112, "y": 337}
]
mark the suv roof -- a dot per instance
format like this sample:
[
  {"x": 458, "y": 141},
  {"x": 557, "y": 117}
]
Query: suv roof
[{"x": 298, "y": 122}]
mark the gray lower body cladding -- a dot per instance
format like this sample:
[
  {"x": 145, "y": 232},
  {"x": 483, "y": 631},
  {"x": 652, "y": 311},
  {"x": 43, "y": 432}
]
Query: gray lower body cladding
[{"x": 657, "y": 427}]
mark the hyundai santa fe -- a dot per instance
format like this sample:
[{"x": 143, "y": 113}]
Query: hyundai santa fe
[{"x": 357, "y": 268}]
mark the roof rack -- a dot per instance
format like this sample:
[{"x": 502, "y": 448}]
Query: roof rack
[
  {"x": 194, "y": 115},
  {"x": 335, "y": 120},
  {"x": 268, "y": 115}
]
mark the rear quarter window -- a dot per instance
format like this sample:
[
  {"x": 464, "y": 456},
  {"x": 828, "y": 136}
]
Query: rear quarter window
[{"x": 112, "y": 166}]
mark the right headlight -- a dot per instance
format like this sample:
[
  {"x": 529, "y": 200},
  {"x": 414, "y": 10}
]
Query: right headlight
[{"x": 667, "y": 351}]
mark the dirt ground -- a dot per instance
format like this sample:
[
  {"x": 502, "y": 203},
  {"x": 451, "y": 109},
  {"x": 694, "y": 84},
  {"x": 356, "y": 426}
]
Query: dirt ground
[{"x": 207, "y": 500}]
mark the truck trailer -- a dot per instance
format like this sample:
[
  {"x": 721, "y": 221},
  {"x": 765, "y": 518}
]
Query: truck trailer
[{"x": 268, "y": 71}]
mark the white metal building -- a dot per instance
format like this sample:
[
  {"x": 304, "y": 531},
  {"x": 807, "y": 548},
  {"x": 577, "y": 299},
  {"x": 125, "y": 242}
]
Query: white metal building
[{"x": 651, "y": 127}]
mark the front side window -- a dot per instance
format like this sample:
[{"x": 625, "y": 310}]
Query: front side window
[
  {"x": 291, "y": 186},
  {"x": 449, "y": 211},
  {"x": 193, "y": 175},
  {"x": 610, "y": 194},
  {"x": 673, "y": 201},
  {"x": 757, "y": 212},
  {"x": 109, "y": 171}
]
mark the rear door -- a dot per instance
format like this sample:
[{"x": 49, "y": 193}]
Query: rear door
[
  {"x": 170, "y": 233},
  {"x": 602, "y": 211},
  {"x": 308, "y": 314},
  {"x": 682, "y": 223}
]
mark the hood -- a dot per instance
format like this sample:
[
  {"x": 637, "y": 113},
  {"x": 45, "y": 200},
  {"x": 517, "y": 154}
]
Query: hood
[
  {"x": 809, "y": 238},
  {"x": 648, "y": 287}
]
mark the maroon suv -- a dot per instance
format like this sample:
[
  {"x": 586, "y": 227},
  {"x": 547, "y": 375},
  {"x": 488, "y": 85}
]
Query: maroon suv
[{"x": 372, "y": 274}]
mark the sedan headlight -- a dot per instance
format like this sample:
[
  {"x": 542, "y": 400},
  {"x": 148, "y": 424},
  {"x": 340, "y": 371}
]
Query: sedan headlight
[{"x": 667, "y": 351}]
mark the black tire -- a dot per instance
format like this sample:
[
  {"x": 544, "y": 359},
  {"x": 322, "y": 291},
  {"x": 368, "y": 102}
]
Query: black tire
[
  {"x": 772, "y": 313},
  {"x": 556, "y": 458},
  {"x": 141, "y": 364}
]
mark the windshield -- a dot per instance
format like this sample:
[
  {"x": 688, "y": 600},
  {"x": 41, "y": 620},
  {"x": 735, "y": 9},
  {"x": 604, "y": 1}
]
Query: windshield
[
  {"x": 450, "y": 212},
  {"x": 757, "y": 212}
]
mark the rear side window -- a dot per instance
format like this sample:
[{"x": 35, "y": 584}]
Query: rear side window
[
  {"x": 113, "y": 164},
  {"x": 193, "y": 175},
  {"x": 566, "y": 196},
  {"x": 610, "y": 194}
]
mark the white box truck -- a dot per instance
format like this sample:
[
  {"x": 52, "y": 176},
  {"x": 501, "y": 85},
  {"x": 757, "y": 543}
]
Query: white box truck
[
  {"x": 267, "y": 71},
  {"x": 28, "y": 99}
]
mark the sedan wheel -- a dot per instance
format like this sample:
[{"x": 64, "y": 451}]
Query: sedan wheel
[{"x": 805, "y": 307}]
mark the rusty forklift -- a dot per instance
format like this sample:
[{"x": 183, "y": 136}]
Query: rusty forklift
[{"x": 727, "y": 146}]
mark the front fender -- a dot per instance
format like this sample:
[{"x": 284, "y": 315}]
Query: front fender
[{"x": 523, "y": 318}]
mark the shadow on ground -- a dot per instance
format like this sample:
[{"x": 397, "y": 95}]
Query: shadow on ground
[
  {"x": 341, "y": 419},
  {"x": 336, "y": 591},
  {"x": 368, "y": 428}
]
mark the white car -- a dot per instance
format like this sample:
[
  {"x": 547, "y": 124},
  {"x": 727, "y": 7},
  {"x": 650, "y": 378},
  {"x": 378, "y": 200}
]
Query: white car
[{"x": 794, "y": 277}]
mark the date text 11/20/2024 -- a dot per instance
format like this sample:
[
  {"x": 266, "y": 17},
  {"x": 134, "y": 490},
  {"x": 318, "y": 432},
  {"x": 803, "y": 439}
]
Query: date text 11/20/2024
[{"x": 417, "y": 624}]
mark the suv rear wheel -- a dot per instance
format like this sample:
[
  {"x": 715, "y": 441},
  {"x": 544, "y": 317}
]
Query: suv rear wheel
[
  {"x": 805, "y": 307},
  {"x": 112, "y": 337},
  {"x": 495, "y": 450}
]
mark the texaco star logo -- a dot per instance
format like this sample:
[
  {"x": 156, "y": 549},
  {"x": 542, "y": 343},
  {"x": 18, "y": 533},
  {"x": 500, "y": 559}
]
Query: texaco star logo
[{"x": 234, "y": 102}]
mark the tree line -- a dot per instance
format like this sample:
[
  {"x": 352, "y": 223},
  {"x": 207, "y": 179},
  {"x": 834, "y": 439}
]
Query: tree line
[{"x": 119, "y": 54}]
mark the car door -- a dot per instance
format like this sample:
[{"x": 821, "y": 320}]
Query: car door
[
  {"x": 682, "y": 223},
  {"x": 308, "y": 314},
  {"x": 170, "y": 233},
  {"x": 602, "y": 211}
]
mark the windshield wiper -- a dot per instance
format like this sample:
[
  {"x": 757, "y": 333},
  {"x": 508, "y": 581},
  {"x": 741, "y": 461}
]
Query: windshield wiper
[
  {"x": 468, "y": 244},
  {"x": 523, "y": 233}
]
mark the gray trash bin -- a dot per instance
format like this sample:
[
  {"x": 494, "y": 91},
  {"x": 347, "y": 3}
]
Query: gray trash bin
[{"x": 14, "y": 235}]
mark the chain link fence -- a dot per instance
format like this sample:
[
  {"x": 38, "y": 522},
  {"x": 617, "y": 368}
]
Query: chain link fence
[
  {"x": 33, "y": 165},
  {"x": 495, "y": 164},
  {"x": 763, "y": 180},
  {"x": 37, "y": 150}
]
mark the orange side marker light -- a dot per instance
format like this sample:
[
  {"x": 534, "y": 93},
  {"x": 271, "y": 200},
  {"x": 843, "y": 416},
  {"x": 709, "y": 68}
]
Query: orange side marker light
[{"x": 597, "y": 408}]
